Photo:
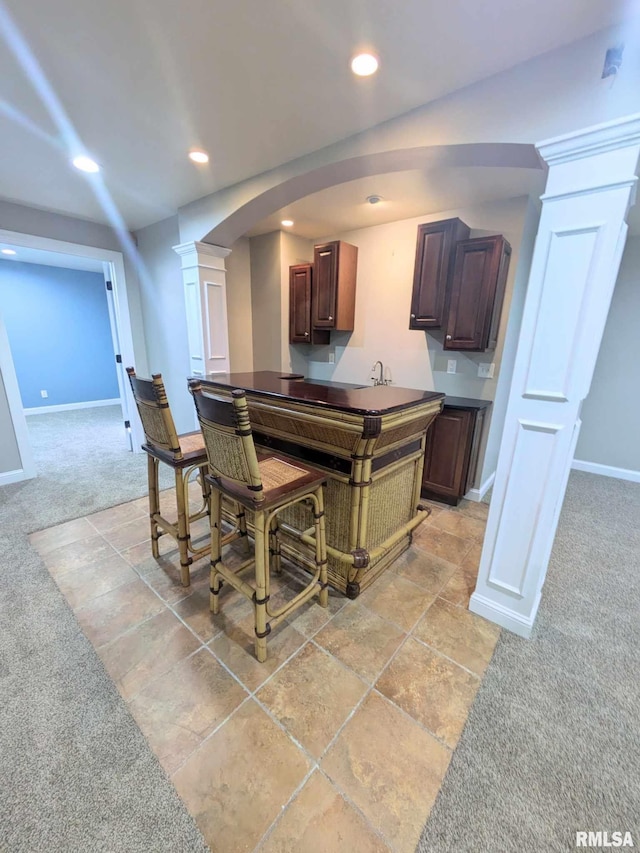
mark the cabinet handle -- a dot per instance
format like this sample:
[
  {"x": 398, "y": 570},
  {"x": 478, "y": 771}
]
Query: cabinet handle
[
  {"x": 413, "y": 316},
  {"x": 330, "y": 318},
  {"x": 306, "y": 334},
  {"x": 448, "y": 337}
]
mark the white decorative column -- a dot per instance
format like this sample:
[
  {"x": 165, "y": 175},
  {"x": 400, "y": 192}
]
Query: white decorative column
[
  {"x": 590, "y": 187},
  {"x": 205, "y": 297}
]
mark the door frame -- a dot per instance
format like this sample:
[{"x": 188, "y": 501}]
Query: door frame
[{"x": 122, "y": 337}]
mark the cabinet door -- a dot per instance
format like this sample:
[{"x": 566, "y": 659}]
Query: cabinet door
[
  {"x": 435, "y": 251},
  {"x": 300, "y": 303},
  {"x": 477, "y": 292},
  {"x": 325, "y": 274},
  {"x": 447, "y": 454}
]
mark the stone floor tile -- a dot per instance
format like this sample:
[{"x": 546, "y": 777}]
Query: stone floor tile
[
  {"x": 320, "y": 820},
  {"x": 396, "y": 599},
  {"x": 424, "y": 569},
  {"x": 80, "y": 586},
  {"x": 360, "y": 639},
  {"x": 150, "y": 649},
  {"x": 445, "y": 545},
  {"x": 62, "y": 534},
  {"x": 312, "y": 696},
  {"x": 433, "y": 690},
  {"x": 390, "y": 768},
  {"x": 237, "y": 782},
  {"x": 459, "y": 634},
  {"x": 105, "y": 618},
  {"x": 184, "y": 705}
]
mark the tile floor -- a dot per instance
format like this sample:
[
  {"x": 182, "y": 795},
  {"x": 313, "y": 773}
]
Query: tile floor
[{"x": 341, "y": 740}]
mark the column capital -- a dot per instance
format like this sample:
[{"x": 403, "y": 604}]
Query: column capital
[
  {"x": 194, "y": 253},
  {"x": 609, "y": 136}
]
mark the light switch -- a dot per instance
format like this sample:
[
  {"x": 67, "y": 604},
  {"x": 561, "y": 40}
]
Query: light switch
[{"x": 451, "y": 365}]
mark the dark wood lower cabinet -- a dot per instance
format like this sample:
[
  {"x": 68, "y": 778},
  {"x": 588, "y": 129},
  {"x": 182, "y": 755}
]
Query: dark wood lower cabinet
[{"x": 452, "y": 449}]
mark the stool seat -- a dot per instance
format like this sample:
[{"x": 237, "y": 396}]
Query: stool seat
[{"x": 280, "y": 477}]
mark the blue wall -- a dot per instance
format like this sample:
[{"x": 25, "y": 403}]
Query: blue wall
[{"x": 57, "y": 321}]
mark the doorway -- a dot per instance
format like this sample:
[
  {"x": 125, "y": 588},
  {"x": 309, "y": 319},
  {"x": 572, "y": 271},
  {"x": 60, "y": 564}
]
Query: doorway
[{"x": 109, "y": 266}]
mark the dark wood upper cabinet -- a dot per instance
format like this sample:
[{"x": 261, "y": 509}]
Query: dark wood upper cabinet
[
  {"x": 477, "y": 293},
  {"x": 300, "y": 289},
  {"x": 334, "y": 286},
  {"x": 435, "y": 252}
]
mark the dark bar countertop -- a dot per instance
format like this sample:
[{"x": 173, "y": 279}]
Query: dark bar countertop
[{"x": 359, "y": 399}]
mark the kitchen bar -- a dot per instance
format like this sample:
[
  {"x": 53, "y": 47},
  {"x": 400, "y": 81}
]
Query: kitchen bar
[{"x": 368, "y": 440}]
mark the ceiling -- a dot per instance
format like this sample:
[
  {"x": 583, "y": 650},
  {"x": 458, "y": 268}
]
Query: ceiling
[
  {"x": 403, "y": 195},
  {"x": 140, "y": 82}
]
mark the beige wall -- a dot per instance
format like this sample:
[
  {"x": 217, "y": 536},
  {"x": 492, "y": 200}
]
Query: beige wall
[
  {"x": 266, "y": 301},
  {"x": 610, "y": 433},
  {"x": 386, "y": 255},
  {"x": 239, "y": 313},
  {"x": 293, "y": 250}
]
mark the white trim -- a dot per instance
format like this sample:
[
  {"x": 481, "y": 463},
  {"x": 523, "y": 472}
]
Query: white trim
[
  {"x": 66, "y": 407},
  {"x": 606, "y": 470},
  {"x": 503, "y": 616},
  {"x": 121, "y": 308},
  {"x": 17, "y": 476},
  {"x": 479, "y": 493},
  {"x": 608, "y": 136},
  {"x": 14, "y": 399}
]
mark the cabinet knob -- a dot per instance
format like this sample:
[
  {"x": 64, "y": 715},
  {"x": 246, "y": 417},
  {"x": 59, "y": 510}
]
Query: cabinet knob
[
  {"x": 306, "y": 334},
  {"x": 413, "y": 316},
  {"x": 448, "y": 337},
  {"x": 330, "y": 318}
]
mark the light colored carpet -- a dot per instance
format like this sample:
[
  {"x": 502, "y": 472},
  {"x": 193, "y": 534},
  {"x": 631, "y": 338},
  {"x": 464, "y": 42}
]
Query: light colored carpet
[
  {"x": 552, "y": 744},
  {"x": 75, "y": 772}
]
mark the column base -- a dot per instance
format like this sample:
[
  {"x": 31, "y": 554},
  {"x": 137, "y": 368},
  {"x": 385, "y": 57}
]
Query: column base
[{"x": 503, "y": 616}]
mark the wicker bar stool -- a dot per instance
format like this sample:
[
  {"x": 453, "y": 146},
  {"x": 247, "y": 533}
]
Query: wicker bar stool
[
  {"x": 184, "y": 454},
  {"x": 264, "y": 485}
]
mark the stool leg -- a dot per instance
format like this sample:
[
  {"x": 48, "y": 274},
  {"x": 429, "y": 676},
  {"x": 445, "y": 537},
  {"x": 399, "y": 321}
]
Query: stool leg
[
  {"x": 183, "y": 528},
  {"x": 216, "y": 533},
  {"x": 274, "y": 546},
  {"x": 321, "y": 547},
  {"x": 206, "y": 488},
  {"x": 154, "y": 502},
  {"x": 260, "y": 604},
  {"x": 241, "y": 526}
]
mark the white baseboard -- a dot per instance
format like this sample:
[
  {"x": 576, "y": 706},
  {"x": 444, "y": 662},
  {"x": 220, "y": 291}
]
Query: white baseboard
[
  {"x": 16, "y": 476},
  {"x": 66, "y": 407},
  {"x": 606, "y": 470},
  {"x": 478, "y": 494},
  {"x": 516, "y": 622}
]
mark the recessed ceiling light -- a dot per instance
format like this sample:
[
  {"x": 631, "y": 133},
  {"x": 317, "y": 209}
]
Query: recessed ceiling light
[
  {"x": 199, "y": 156},
  {"x": 374, "y": 199},
  {"x": 85, "y": 164},
  {"x": 364, "y": 64},
  {"x": 287, "y": 223},
  {"x": 8, "y": 251}
]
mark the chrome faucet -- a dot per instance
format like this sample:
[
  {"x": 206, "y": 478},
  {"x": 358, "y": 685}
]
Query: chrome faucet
[{"x": 377, "y": 380}]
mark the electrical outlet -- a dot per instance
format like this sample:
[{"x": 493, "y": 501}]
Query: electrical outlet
[
  {"x": 44, "y": 393},
  {"x": 451, "y": 365},
  {"x": 332, "y": 357},
  {"x": 485, "y": 370}
]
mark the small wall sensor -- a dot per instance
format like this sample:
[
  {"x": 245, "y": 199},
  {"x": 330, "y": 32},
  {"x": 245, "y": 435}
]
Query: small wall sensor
[{"x": 612, "y": 61}]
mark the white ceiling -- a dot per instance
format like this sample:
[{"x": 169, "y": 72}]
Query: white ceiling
[
  {"x": 49, "y": 259},
  {"x": 256, "y": 83},
  {"x": 404, "y": 194}
]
